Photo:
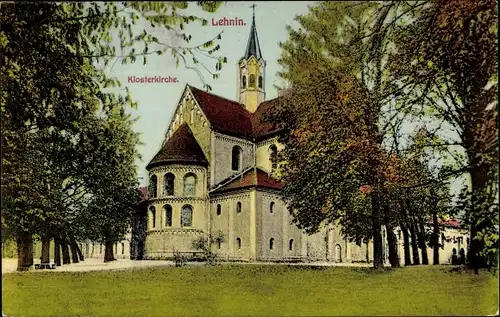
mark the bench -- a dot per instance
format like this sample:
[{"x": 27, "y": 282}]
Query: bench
[{"x": 45, "y": 266}]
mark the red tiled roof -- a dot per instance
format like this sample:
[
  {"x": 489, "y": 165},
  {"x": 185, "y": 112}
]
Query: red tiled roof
[
  {"x": 254, "y": 177},
  {"x": 261, "y": 126},
  {"x": 225, "y": 116},
  {"x": 230, "y": 117},
  {"x": 454, "y": 223},
  {"x": 180, "y": 148}
]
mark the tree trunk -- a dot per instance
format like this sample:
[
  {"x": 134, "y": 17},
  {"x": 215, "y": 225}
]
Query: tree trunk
[
  {"x": 57, "y": 251},
  {"x": 65, "y": 252},
  {"x": 435, "y": 239},
  {"x": 45, "y": 249},
  {"x": 74, "y": 254},
  {"x": 479, "y": 177},
  {"x": 422, "y": 242},
  {"x": 414, "y": 245},
  {"x": 24, "y": 251},
  {"x": 108, "y": 252},
  {"x": 393, "y": 247},
  {"x": 378, "y": 261},
  {"x": 79, "y": 252},
  {"x": 367, "y": 253},
  {"x": 391, "y": 239},
  {"x": 406, "y": 242}
]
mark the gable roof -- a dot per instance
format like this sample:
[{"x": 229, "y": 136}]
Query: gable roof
[
  {"x": 182, "y": 148},
  {"x": 252, "y": 178},
  {"x": 231, "y": 118},
  {"x": 225, "y": 116}
]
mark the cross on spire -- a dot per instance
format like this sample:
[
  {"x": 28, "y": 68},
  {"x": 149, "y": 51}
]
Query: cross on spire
[
  {"x": 253, "y": 47},
  {"x": 253, "y": 7}
]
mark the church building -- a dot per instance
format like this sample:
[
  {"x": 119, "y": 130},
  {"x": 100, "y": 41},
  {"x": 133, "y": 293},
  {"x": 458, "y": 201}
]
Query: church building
[{"x": 213, "y": 175}]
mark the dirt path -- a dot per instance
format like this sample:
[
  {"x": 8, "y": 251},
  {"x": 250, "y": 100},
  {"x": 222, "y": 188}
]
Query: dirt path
[{"x": 10, "y": 265}]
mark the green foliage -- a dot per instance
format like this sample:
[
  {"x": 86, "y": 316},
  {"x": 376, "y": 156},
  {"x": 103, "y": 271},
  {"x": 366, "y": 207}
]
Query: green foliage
[
  {"x": 204, "y": 244},
  {"x": 415, "y": 62},
  {"x": 447, "y": 60},
  {"x": 68, "y": 147}
]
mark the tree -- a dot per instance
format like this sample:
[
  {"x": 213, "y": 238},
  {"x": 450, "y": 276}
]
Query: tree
[
  {"x": 50, "y": 52},
  {"x": 351, "y": 38},
  {"x": 447, "y": 61},
  {"x": 112, "y": 187},
  {"x": 331, "y": 138}
]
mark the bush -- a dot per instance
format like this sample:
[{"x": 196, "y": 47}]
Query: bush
[
  {"x": 204, "y": 244},
  {"x": 179, "y": 259}
]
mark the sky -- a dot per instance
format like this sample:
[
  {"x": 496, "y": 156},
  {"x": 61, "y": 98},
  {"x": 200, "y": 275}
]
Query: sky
[{"x": 157, "y": 101}]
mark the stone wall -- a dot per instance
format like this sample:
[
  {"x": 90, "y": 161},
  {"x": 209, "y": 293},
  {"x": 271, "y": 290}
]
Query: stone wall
[
  {"x": 163, "y": 243},
  {"x": 276, "y": 224},
  {"x": 233, "y": 225},
  {"x": 223, "y": 147},
  {"x": 263, "y": 157},
  {"x": 180, "y": 171},
  {"x": 188, "y": 111}
]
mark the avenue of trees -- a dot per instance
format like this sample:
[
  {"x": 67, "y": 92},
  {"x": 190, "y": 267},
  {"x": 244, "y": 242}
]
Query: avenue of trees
[
  {"x": 387, "y": 104},
  {"x": 68, "y": 148}
]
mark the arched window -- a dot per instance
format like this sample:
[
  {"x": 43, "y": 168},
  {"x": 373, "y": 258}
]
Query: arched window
[
  {"x": 244, "y": 82},
  {"x": 168, "y": 215},
  {"x": 238, "y": 243},
  {"x": 238, "y": 207},
  {"x": 192, "y": 116},
  {"x": 187, "y": 216},
  {"x": 100, "y": 248},
  {"x": 152, "y": 186},
  {"x": 290, "y": 245},
  {"x": 273, "y": 152},
  {"x": 219, "y": 209},
  {"x": 251, "y": 81},
  {"x": 189, "y": 185},
  {"x": 168, "y": 181},
  {"x": 260, "y": 81},
  {"x": 123, "y": 248},
  {"x": 219, "y": 243},
  {"x": 271, "y": 243},
  {"x": 271, "y": 207},
  {"x": 236, "y": 158},
  {"x": 153, "y": 216}
]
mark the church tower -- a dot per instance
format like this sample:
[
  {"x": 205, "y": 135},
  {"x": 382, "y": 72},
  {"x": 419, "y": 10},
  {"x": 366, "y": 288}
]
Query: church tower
[{"x": 251, "y": 72}]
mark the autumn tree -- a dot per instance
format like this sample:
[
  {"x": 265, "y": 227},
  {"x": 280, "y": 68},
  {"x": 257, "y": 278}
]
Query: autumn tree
[
  {"x": 330, "y": 139},
  {"x": 447, "y": 63},
  {"x": 352, "y": 38}
]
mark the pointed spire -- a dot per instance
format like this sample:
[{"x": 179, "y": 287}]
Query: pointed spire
[{"x": 253, "y": 47}]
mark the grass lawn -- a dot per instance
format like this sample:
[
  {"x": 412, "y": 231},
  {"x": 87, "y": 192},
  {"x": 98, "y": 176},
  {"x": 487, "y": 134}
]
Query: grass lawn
[{"x": 244, "y": 290}]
